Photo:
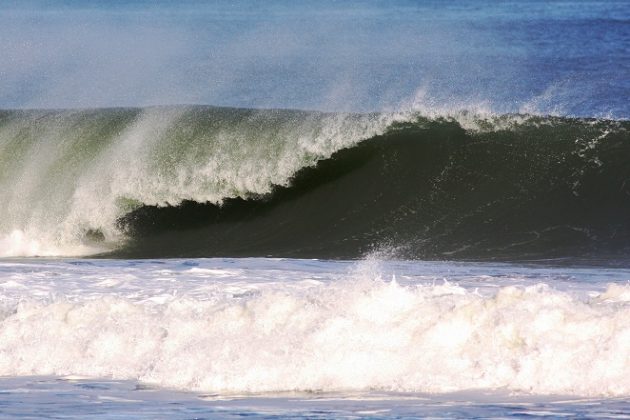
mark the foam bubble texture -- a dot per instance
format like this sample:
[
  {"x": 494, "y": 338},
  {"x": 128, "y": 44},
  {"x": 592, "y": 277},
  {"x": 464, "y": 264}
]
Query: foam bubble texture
[{"x": 354, "y": 332}]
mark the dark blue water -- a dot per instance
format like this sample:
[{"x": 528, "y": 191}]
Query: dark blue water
[{"x": 559, "y": 57}]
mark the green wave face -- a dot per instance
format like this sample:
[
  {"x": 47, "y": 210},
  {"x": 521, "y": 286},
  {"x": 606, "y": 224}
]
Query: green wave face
[
  {"x": 204, "y": 181},
  {"x": 505, "y": 188}
]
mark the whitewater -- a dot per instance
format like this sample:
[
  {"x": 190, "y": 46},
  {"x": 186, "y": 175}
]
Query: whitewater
[
  {"x": 234, "y": 327},
  {"x": 545, "y": 334},
  {"x": 358, "y": 209}
]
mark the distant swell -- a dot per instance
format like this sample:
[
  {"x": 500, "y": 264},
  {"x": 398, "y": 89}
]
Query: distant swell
[{"x": 204, "y": 181}]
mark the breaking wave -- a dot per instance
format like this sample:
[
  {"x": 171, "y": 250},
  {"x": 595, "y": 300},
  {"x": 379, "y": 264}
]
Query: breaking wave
[
  {"x": 356, "y": 333},
  {"x": 207, "y": 181}
]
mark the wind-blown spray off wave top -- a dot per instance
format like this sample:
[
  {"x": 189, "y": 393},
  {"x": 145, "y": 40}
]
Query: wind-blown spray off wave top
[
  {"x": 205, "y": 181},
  {"x": 68, "y": 176}
]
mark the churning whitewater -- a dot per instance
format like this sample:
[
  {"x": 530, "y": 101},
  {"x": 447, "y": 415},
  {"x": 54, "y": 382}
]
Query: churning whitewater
[
  {"x": 255, "y": 325},
  {"x": 326, "y": 209},
  {"x": 205, "y": 181}
]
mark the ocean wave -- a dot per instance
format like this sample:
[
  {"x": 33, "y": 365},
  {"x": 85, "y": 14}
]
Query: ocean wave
[
  {"x": 203, "y": 181},
  {"x": 357, "y": 333}
]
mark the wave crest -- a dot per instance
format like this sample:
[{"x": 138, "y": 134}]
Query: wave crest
[{"x": 173, "y": 181}]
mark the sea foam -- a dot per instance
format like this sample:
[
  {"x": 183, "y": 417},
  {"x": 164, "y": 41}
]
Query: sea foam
[{"x": 240, "y": 326}]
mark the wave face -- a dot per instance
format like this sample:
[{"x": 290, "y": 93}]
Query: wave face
[{"x": 204, "y": 181}]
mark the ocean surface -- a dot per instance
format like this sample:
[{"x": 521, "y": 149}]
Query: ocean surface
[
  {"x": 356, "y": 209},
  {"x": 197, "y": 338}
]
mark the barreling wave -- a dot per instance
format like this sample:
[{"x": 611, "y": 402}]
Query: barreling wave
[{"x": 206, "y": 181}]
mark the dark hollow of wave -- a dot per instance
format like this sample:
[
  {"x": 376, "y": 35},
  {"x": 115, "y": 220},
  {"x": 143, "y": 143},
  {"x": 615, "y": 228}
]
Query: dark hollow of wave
[{"x": 552, "y": 188}]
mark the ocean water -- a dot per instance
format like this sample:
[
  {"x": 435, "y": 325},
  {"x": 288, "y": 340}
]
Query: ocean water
[
  {"x": 356, "y": 209},
  {"x": 200, "y": 338}
]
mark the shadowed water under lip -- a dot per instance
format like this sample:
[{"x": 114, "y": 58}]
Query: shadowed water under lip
[{"x": 538, "y": 189}]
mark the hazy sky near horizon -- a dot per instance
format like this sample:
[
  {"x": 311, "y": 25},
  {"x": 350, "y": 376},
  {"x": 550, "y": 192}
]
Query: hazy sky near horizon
[{"x": 358, "y": 55}]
